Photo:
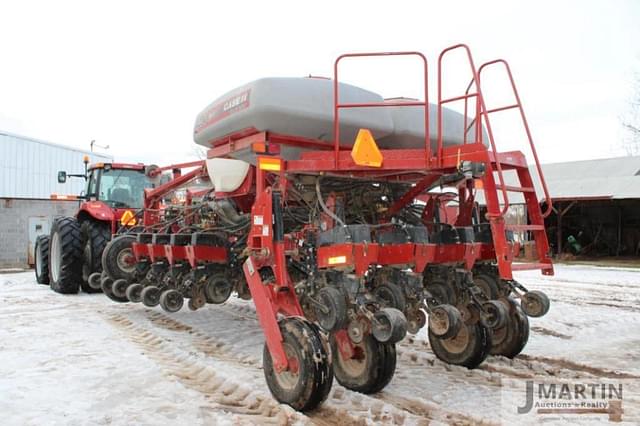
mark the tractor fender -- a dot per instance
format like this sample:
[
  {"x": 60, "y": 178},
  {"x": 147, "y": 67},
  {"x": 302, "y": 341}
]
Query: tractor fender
[{"x": 96, "y": 210}]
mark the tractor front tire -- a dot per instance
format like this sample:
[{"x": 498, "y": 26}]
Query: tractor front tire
[{"x": 65, "y": 256}]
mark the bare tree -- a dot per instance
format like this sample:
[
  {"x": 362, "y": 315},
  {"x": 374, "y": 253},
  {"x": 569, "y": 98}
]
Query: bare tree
[{"x": 631, "y": 122}]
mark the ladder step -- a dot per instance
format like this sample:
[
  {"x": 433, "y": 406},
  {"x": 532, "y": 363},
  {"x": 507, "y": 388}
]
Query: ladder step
[
  {"x": 525, "y": 227},
  {"x": 530, "y": 266},
  {"x": 510, "y": 188}
]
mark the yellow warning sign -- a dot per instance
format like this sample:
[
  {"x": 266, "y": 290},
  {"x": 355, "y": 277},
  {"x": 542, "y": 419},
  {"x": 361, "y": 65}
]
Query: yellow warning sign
[
  {"x": 127, "y": 218},
  {"x": 365, "y": 151}
]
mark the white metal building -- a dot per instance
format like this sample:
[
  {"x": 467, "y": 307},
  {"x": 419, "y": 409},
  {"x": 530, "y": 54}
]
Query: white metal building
[
  {"x": 29, "y": 167},
  {"x": 28, "y": 177}
]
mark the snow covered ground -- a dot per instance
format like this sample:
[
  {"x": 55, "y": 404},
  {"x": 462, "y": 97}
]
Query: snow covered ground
[{"x": 86, "y": 360}]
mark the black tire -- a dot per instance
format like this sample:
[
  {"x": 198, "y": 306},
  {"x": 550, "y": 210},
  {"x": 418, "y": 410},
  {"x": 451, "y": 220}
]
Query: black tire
[
  {"x": 41, "y": 252},
  {"x": 119, "y": 288},
  {"x": 65, "y": 256},
  {"x": 445, "y": 321},
  {"x": 95, "y": 236},
  {"x": 416, "y": 319},
  {"x": 535, "y": 303},
  {"x": 242, "y": 288},
  {"x": 468, "y": 348},
  {"x": 94, "y": 281},
  {"x": 150, "y": 296},
  {"x": 391, "y": 325},
  {"x": 370, "y": 371},
  {"x": 442, "y": 293},
  {"x": 488, "y": 285},
  {"x": 218, "y": 288},
  {"x": 311, "y": 385},
  {"x": 335, "y": 303},
  {"x": 106, "y": 286},
  {"x": 388, "y": 368},
  {"x": 134, "y": 292},
  {"x": 171, "y": 301},
  {"x": 495, "y": 313},
  {"x": 511, "y": 339},
  {"x": 115, "y": 258},
  {"x": 390, "y": 295}
]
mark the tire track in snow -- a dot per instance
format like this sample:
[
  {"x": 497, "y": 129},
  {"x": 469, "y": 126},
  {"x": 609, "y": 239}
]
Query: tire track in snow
[
  {"x": 222, "y": 392},
  {"x": 522, "y": 366},
  {"x": 574, "y": 366},
  {"x": 343, "y": 408},
  {"x": 423, "y": 410},
  {"x": 413, "y": 355}
]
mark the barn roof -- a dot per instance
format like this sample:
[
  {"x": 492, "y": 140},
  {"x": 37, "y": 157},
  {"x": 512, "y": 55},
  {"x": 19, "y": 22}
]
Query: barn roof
[{"x": 608, "y": 178}]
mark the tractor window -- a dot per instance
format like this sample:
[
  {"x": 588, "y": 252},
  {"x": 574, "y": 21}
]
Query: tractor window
[
  {"x": 92, "y": 184},
  {"x": 123, "y": 188}
]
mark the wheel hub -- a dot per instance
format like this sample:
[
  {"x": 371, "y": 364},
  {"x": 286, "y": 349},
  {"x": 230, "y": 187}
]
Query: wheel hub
[
  {"x": 357, "y": 364},
  {"x": 288, "y": 379},
  {"x": 38, "y": 262},
  {"x": 459, "y": 342},
  {"x": 439, "y": 322},
  {"x": 126, "y": 260},
  {"x": 55, "y": 254}
]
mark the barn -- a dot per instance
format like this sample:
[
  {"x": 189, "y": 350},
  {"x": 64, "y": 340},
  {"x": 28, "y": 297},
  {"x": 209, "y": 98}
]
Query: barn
[
  {"x": 596, "y": 207},
  {"x": 30, "y": 195}
]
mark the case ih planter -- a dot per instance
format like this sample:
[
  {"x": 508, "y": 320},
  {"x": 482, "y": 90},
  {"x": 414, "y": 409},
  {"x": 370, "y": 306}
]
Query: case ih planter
[{"x": 342, "y": 238}]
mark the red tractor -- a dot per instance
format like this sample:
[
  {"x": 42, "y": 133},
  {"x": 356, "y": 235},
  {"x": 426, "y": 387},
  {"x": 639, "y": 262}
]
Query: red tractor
[{"x": 113, "y": 194}]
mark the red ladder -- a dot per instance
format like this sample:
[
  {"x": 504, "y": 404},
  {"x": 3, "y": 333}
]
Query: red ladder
[{"x": 496, "y": 213}]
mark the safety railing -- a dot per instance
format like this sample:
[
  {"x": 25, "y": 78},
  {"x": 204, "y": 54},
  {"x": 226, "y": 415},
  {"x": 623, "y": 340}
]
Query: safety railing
[
  {"x": 480, "y": 113},
  {"x": 518, "y": 105},
  {"x": 337, "y": 105}
]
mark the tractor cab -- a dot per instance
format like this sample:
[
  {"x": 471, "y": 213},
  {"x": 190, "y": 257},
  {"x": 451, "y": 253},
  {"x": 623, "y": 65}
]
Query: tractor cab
[
  {"x": 114, "y": 192},
  {"x": 120, "y": 186}
]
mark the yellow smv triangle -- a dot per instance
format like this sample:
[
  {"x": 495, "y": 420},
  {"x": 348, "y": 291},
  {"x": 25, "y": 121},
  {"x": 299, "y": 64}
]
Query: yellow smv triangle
[
  {"x": 365, "y": 151},
  {"x": 127, "y": 218}
]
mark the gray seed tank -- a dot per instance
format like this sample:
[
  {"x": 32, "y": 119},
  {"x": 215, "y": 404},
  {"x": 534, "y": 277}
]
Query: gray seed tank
[{"x": 304, "y": 107}]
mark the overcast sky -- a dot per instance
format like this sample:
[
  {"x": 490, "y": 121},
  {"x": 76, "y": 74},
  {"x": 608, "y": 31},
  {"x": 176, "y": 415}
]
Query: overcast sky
[{"x": 133, "y": 74}]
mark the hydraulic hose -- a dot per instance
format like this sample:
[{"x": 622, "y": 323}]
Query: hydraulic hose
[{"x": 324, "y": 206}]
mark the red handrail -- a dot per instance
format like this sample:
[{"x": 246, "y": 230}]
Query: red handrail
[
  {"x": 518, "y": 105},
  {"x": 337, "y": 105},
  {"x": 480, "y": 110}
]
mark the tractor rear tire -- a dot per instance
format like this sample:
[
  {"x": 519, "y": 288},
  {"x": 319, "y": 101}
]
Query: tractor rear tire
[
  {"x": 65, "y": 256},
  {"x": 117, "y": 258},
  {"x": 41, "y": 252},
  {"x": 95, "y": 236}
]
